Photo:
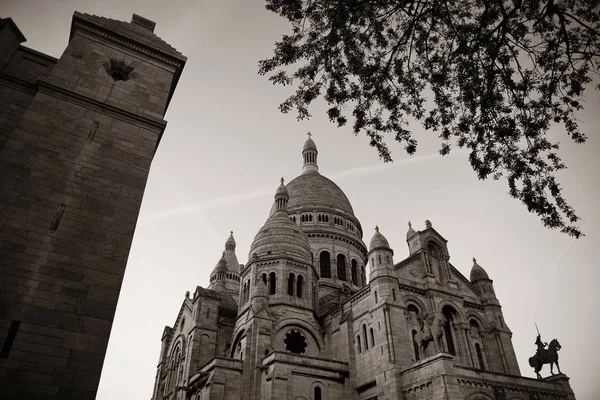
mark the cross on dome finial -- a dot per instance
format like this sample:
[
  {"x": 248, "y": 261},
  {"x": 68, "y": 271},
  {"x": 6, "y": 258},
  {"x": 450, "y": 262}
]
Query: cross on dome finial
[
  {"x": 474, "y": 260},
  {"x": 282, "y": 180},
  {"x": 231, "y": 232},
  {"x": 409, "y": 224},
  {"x": 376, "y": 228},
  {"x": 309, "y": 134}
]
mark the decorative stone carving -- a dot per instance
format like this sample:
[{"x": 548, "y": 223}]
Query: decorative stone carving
[{"x": 119, "y": 70}]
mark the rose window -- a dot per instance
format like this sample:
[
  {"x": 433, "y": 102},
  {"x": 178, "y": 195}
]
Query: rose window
[{"x": 295, "y": 342}]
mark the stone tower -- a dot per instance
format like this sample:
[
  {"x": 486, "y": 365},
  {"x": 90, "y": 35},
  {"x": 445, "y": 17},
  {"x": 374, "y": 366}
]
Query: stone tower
[{"x": 75, "y": 153}]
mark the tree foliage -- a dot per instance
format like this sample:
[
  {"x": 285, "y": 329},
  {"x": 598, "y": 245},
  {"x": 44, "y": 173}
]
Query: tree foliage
[{"x": 490, "y": 76}]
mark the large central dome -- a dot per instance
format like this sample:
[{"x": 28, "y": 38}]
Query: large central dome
[{"x": 312, "y": 189}]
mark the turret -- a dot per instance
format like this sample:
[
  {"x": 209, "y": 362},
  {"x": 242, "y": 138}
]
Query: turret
[
  {"x": 309, "y": 153},
  {"x": 481, "y": 280},
  {"x": 503, "y": 356},
  {"x": 260, "y": 295},
  {"x": 381, "y": 256}
]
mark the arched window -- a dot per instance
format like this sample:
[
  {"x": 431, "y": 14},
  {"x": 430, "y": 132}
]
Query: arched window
[
  {"x": 380, "y": 259},
  {"x": 364, "y": 332},
  {"x": 291, "y": 284},
  {"x": 415, "y": 345},
  {"x": 272, "y": 283},
  {"x": 363, "y": 276},
  {"x": 394, "y": 294},
  {"x": 317, "y": 393},
  {"x": 354, "y": 272},
  {"x": 264, "y": 278},
  {"x": 245, "y": 292},
  {"x": 299, "y": 286},
  {"x": 479, "y": 356},
  {"x": 358, "y": 343},
  {"x": 450, "y": 315},
  {"x": 376, "y": 296},
  {"x": 325, "y": 263},
  {"x": 341, "y": 267},
  {"x": 372, "y": 337}
]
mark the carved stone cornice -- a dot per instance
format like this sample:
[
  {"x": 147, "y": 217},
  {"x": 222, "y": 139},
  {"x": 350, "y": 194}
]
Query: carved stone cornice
[
  {"x": 512, "y": 388},
  {"x": 472, "y": 305},
  {"x": 95, "y": 105},
  {"x": 80, "y": 23},
  {"x": 411, "y": 289},
  {"x": 343, "y": 238},
  {"x": 407, "y": 261},
  {"x": 464, "y": 280}
]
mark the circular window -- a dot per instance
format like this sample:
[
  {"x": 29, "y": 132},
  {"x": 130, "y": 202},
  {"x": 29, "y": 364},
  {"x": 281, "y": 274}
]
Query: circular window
[{"x": 295, "y": 342}]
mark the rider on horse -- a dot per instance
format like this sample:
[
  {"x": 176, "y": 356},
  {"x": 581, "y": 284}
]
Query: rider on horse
[{"x": 541, "y": 346}]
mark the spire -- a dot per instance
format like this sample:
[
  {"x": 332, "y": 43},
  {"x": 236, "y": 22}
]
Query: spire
[
  {"x": 410, "y": 232},
  {"x": 230, "y": 243},
  {"x": 309, "y": 154},
  {"x": 281, "y": 198}
]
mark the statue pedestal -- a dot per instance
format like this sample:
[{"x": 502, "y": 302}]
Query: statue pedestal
[{"x": 562, "y": 380}]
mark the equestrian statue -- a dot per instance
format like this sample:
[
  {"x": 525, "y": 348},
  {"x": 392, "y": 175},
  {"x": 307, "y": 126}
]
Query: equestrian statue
[
  {"x": 545, "y": 356},
  {"x": 431, "y": 329}
]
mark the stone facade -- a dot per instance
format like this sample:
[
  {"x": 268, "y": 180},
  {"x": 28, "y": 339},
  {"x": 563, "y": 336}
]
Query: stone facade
[
  {"x": 306, "y": 324},
  {"x": 77, "y": 137}
]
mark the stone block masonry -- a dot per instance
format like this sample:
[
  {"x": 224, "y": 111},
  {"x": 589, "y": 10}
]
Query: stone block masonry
[{"x": 75, "y": 152}]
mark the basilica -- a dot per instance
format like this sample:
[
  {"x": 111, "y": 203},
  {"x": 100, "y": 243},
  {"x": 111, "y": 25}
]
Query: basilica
[{"x": 317, "y": 314}]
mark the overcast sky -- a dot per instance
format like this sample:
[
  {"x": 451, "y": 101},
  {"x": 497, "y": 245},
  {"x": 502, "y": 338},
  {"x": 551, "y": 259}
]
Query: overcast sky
[{"x": 226, "y": 147}]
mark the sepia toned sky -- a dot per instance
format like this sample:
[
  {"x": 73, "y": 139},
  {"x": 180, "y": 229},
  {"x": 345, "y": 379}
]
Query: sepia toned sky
[{"x": 226, "y": 147}]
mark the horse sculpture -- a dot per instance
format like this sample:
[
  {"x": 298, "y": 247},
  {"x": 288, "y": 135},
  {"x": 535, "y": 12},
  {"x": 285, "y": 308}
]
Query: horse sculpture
[
  {"x": 432, "y": 329},
  {"x": 543, "y": 356}
]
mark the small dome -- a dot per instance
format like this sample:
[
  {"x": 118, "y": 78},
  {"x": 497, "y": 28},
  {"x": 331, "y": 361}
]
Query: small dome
[
  {"x": 221, "y": 265},
  {"x": 411, "y": 232},
  {"x": 282, "y": 190},
  {"x": 378, "y": 241},
  {"x": 309, "y": 144},
  {"x": 280, "y": 234},
  {"x": 478, "y": 273}
]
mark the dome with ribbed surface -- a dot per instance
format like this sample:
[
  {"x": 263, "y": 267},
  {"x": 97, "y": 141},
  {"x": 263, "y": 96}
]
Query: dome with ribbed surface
[
  {"x": 280, "y": 234},
  {"x": 477, "y": 272},
  {"x": 309, "y": 145},
  {"x": 221, "y": 265},
  {"x": 314, "y": 191},
  {"x": 230, "y": 241},
  {"x": 378, "y": 241}
]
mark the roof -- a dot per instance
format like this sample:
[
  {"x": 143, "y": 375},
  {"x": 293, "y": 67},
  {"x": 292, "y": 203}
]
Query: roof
[
  {"x": 8, "y": 22},
  {"x": 477, "y": 272},
  {"x": 378, "y": 241},
  {"x": 312, "y": 190},
  {"x": 280, "y": 234},
  {"x": 132, "y": 31},
  {"x": 309, "y": 144},
  {"x": 227, "y": 301}
]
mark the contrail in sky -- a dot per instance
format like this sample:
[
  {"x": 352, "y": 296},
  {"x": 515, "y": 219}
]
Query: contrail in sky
[{"x": 238, "y": 198}]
